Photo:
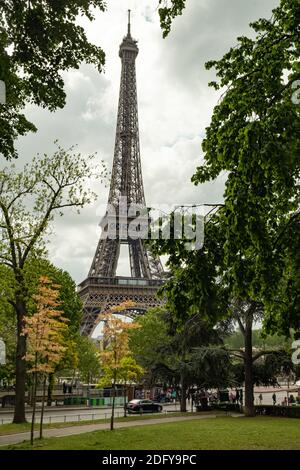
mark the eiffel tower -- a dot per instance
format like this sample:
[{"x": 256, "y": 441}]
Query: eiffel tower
[{"x": 103, "y": 288}]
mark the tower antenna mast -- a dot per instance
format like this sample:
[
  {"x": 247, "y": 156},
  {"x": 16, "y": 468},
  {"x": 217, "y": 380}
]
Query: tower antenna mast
[{"x": 128, "y": 31}]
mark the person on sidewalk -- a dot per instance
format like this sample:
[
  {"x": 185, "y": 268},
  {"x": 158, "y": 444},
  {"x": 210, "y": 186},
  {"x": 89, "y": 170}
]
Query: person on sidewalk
[{"x": 274, "y": 399}]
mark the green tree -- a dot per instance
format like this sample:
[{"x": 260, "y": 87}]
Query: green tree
[
  {"x": 44, "y": 333},
  {"x": 259, "y": 340},
  {"x": 266, "y": 368},
  {"x": 39, "y": 40},
  {"x": 70, "y": 305},
  {"x": 282, "y": 310},
  {"x": 88, "y": 359},
  {"x": 116, "y": 340},
  {"x": 8, "y": 330},
  {"x": 145, "y": 341},
  {"x": 180, "y": 355},
  {"x": 128, "y": 371},
  {"x": 28, "y": 203},
  {"x": 253, "y": 136}
]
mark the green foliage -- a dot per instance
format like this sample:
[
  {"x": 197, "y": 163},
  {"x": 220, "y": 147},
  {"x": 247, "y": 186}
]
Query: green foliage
[
  {"x": 30, "y": 198},
  {"x": 169, "y": 353},
  {"x": 168, "y": 11},
  {"x": 8, "y": 326},
  {"x": 212, "y": 367},
  {"x": 34, "y": 268},
  {"x": 38, "y": 41},
  {"x": 195, "y": 285},
  {"x": 128, "y": 371},
  {"x": 251, "y": 248},
  {"x": 249, "y": 264},
  {"x": 70, "y": 306},
  {"x": 8, "y": 335},
  {"x": 145, "y": 341},
  {"x": 253, "y": 136},
  {"x": 236, "y": 340},
  {"x": 88, "y": 359},
  {"x": 282, "y": 311},
  {"x": 266, "y": 370}
]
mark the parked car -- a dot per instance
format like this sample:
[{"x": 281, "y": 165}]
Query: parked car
[{"x": 143, "y": 406}]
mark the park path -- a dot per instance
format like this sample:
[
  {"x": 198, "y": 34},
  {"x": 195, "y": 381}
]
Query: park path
[{"x": 10, "y": 439}]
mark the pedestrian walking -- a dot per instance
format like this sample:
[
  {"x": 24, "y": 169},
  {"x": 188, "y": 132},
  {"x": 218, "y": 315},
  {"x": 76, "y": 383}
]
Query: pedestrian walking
[
  {"x": 285, "y": 401},
  {"x": 274, "y": 399},
  {"x": 241, "y": 396},
  {"x": 260, "y": 397}
]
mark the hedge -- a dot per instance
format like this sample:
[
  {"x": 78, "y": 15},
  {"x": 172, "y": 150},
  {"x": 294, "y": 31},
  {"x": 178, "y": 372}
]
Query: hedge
[{"x": 291, "y": 411}]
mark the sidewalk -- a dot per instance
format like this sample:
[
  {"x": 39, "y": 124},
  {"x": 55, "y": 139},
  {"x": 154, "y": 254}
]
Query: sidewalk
[
  {"x": 284, "y": 388},
  {"x": 10, "y": 439},
  {"x": 59, "y": 409}
]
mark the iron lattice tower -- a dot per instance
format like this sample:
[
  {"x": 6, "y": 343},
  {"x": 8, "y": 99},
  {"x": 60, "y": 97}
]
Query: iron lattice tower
[{"x": 103, "y": 288}]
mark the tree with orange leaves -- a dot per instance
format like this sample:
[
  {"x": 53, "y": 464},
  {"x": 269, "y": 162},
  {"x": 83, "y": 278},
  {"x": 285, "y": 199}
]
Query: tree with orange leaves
[
  {"x": 115, "y": 339},
  {"x": 44, "y": 332}
]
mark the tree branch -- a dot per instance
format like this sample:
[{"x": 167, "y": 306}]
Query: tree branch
[
  {"x": 291, "y": 220},
  {"x": 236, "y": 352},
  {"x": 40, "y": 228},
  {"x": 263, "y": 353},
  {"x": 241, "y": 326},
  {"x": 10, "y": 235},
  {"x": 20, "y": 194}
]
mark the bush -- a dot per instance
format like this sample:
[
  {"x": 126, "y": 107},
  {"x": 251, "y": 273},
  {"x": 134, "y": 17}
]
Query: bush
[
  {"x": 226, "y": 407},
  {"x": 270, "y": 410}
]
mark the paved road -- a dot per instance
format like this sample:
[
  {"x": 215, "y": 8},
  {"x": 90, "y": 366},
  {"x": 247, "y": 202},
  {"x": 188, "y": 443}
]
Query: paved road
[
  {"x": 57, "y": 415},
  {"x": 65, "y": 415},
  {"x": 74, "y": 430}
]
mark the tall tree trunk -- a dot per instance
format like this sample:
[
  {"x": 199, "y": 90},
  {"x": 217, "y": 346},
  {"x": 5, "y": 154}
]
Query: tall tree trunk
[
  {"x": 248, "y": 364},
  {"x": 19, "y": 414},
  {"x": 30, "y": 394},
  {"x": 113, "y": 407},
  {"x": 33, "y": 407},
  {"x": 43, "y": 406},
  {"x": 50, "y": 388},
  {"x": 183, "y": 393},
  {"x": 125, "y": 396}
]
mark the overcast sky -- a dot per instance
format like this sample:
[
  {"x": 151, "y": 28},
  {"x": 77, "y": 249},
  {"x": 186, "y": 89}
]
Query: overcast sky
[{"x": 175, "y": 106}]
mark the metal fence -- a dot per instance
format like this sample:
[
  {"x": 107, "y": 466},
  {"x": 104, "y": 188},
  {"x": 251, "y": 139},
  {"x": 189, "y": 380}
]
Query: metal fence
[
  {"x": 76, "y": 417},
  {"x": 70, "y": 418}
]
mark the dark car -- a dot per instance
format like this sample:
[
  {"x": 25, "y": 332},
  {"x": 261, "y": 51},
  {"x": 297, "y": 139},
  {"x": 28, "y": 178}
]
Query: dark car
[{"x": 143, "y": 406}]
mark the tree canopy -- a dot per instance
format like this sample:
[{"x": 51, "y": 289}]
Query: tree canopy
[
  {"x": 249, "y": 261},
  {"x": 38, "y": 41}
]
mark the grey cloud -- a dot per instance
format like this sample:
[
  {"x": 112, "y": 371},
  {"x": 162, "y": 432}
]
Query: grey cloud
[{"x": 206, "y": 30}]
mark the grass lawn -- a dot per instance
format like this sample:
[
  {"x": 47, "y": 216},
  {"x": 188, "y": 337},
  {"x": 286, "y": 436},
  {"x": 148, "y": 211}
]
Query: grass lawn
[
  {"x": 220, "y": 433},
  {"x": 11, "y": 428}
]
